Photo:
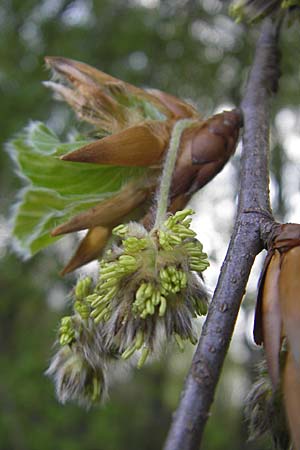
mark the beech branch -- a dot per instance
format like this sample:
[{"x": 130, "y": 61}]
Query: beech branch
[{"x": 253, "y": 223}]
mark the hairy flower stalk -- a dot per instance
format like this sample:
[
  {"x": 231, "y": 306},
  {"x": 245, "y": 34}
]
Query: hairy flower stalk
[{"x": 149, "y": 291}]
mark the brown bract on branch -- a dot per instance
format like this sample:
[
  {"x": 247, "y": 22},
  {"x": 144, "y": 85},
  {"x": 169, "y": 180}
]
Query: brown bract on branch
[{"x": 254, "y": 222}]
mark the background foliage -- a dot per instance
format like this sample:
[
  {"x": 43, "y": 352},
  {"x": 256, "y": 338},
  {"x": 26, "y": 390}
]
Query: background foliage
[{"x": 195, "y": 51}]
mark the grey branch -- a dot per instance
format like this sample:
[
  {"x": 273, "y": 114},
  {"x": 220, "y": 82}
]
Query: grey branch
[{"x": 252, "y": 225}]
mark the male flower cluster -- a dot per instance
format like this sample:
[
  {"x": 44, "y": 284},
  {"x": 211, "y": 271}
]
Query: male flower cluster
[{"x": 149, "y": 290}]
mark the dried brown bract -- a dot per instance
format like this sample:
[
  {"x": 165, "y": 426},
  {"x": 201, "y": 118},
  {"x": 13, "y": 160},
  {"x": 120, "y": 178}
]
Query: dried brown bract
[{"x": 277, "y": 320}]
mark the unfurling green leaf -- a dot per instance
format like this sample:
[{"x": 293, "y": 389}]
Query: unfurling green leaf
[{"x": 56, "y": 190}]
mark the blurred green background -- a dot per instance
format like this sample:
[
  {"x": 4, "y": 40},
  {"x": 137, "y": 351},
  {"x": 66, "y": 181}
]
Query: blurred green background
[{"x": 191, "y": 49}]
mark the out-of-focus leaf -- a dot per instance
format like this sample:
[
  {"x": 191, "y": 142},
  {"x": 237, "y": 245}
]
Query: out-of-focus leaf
[{"x": 56, "y": 190}]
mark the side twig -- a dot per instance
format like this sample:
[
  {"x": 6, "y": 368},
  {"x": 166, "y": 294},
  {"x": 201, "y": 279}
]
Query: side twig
[{"x": 253, "y": 222}]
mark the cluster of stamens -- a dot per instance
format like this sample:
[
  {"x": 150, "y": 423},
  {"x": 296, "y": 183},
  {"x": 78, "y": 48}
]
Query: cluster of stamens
[{"x": 148, "y": 287}]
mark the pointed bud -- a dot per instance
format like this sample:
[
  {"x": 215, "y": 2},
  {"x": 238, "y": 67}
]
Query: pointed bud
[
  {"x": 204, "y": 150},
  {"x": 140, "y": 145},
  {"x": 107, "y": 213}
]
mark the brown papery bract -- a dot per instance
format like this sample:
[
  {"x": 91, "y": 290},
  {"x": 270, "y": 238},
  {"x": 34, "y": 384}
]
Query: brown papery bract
[
  {"x": 271, "y": 317},
  {"x": 204, "y": 150},
  {"x": 291, "y": 392},
  {"x": 278, "y": 317},
  {"x": 289, "y": 288},
  {"x": 109, "y": 212}
]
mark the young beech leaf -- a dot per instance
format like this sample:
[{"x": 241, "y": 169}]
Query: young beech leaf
[{"x": 56, "y": 190}]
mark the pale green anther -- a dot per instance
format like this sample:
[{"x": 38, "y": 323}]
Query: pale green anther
[
  {"x": 83, "y": 287},
  {"x": 67, "y": 320},
  {"x": 108, "y": 276},
  {"x": 163, "y": 306},
  {"x": 165, "y": 285},
  {"x": 148, "y": 290},
  {"x": 143, "y": 315},
  {"x": 187, "y": 222},
  {"x": 105, "y": 295},
  {"x": 121, "y": 230},
  {"x": 195, "y": 253},
  {"x": 109, "y": 283},
  {"x": 143, "y": 357},
  {"x": 139, "y": 340},
  {"x": 128, "y": 352},
  {"x": 83, "y": 309},
  {"x": 108, "y": 268},
  {"x": 193, "y": 249},
  {"x": 174, "y": 278},
  {"x": 200, "y": 267},
  {"x": 102, "y": 316},
  {"x": 133, "y": 244},
  {"x": 140, "y": 293},
  {"x": 185, "y": 233},
  {"x": 163, "y": 274},
  {"x": 181, "y": 215},
  {"x": 164, "y": 291},
  {"x": 103, "y": 299},
  {"x": 169, "y": 222},
  {"x": 174, "y": 239},
  {"x": 66, "y": 331},
  {"x": 111, "y": 293},
  {"x": 91, "y": 298},
  {"x": 99, "y": 303},
  {"x": 150, "y": 307},
  {"x": 196, "y": 268},
  {"x": 127, "y": 259},
  {"x": 162, "y": 235},
  {"x": 139, "y": 302},
  {"x": 179, "y": 341},
  {"x": 65, "y": 339},
  {"x": 183, "y": 279},
  {"x": 156, "y": 298}
]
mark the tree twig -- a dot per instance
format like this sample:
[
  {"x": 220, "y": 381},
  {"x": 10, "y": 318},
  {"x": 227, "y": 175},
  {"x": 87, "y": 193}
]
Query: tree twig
[{"x": 253, "y": 223}]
